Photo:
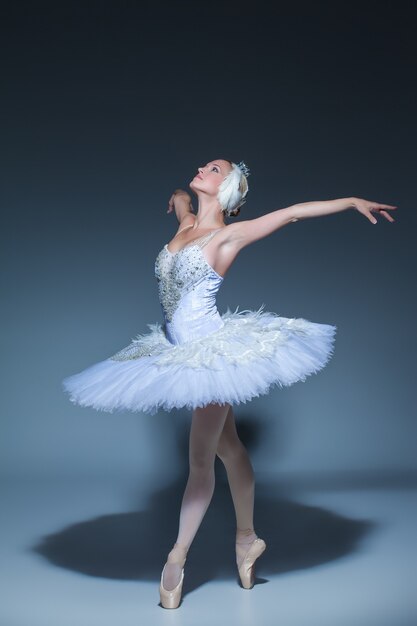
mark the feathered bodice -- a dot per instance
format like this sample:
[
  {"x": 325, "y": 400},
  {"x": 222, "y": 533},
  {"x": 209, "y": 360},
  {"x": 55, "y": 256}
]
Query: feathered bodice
[{"x": 187, "y": 289}]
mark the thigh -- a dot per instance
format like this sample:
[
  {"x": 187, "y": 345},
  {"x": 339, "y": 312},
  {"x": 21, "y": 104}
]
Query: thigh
[{"x": 206, "y": 427}]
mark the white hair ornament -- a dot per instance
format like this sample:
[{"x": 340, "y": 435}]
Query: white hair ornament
[{"x": 234, "y": 188}]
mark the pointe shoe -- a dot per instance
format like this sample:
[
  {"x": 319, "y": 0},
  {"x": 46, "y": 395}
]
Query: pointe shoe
[
  {"x": 247, "y": 568},
  {"x": 170, "y": 598}
]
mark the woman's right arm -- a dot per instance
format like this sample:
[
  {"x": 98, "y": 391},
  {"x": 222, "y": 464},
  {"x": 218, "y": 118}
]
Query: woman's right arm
[{"x": 180, "y": 201}]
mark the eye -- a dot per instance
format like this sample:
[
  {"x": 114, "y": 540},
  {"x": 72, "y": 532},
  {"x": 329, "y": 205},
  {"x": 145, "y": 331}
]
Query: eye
[{"x": 216, "y": 169}]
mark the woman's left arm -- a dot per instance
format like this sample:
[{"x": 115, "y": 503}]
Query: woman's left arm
[
  {"x": 248, "y": 231},
  {"x": 326, "y": 207}
]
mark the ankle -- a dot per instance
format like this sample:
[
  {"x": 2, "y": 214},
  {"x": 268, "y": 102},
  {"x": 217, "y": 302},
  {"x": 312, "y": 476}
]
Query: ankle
[
  {"x": 178, "y": 554},
  {"x": 245, "y": 535}
]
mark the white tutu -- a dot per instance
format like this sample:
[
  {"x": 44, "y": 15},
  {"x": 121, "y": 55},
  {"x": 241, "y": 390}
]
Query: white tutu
[
  {"x": 251, "y": 352},
  {"x": 198, "y": 356}
]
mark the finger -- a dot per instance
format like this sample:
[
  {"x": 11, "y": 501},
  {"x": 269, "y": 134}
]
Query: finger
[
  {"x": 378, "y": 206},
  {"x": 387, "y": 216}
]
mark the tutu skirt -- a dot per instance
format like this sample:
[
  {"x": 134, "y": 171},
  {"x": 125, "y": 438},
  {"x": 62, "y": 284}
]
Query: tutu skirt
[{"x": 252, "y": 352}]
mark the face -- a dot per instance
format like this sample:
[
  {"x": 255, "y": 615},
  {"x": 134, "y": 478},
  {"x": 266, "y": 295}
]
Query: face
[{"x": 210, "y": 177}]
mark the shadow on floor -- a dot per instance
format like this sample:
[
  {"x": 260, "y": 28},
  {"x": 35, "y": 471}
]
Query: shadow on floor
[{"x": 134, "y": 545}]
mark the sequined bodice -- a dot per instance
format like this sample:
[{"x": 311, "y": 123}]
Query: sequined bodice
[{"x": 187, "y": 289}]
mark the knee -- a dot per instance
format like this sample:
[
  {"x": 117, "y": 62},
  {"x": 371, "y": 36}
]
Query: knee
[
  {"x": 202, "y": 463},
  {"x": 229, "y": 449}
]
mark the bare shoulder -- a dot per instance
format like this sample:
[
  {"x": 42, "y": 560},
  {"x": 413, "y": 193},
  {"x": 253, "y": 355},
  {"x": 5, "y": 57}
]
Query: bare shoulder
[
  {"x": 223, "y": 249},
  {"x": 232, "y": 236},
  {"x": 230, "y": 240}
]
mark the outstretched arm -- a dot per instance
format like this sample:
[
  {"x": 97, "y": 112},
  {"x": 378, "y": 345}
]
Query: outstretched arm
[{"x": 248, "y": 231}]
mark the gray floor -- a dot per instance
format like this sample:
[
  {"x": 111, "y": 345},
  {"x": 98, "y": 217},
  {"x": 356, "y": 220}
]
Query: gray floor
[{"x": 89, "y": 552}]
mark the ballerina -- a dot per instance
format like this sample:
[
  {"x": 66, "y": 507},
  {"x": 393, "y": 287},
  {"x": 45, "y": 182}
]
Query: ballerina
[{"x": 208, "y": 362}]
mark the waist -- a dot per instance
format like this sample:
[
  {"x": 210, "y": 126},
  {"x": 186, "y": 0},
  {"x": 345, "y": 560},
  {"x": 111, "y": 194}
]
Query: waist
[{"x": 184, "y": 328}]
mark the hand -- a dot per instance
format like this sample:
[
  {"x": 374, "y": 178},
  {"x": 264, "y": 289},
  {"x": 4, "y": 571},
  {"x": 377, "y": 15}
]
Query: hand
[
  {"x": 178, "y": 197},
  {"x": 366, "y": 206}
]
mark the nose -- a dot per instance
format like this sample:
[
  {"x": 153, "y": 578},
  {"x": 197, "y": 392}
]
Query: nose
[{"x": 200, "y": 170}]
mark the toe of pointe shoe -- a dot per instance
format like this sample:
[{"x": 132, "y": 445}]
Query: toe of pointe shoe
[
  {"x": 171, "y": 598},
  {"x": 247, "y": 569}
]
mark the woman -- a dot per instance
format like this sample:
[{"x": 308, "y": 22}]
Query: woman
[{"x": 208, "y": 362}]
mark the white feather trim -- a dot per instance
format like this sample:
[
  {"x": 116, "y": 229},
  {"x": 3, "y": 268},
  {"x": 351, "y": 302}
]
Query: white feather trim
[
  {"x": 229, "y": 194},
  {"x": 253, "y": 351}
]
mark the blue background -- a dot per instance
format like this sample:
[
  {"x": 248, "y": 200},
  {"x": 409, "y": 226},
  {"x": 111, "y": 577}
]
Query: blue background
[
  {"x": 106, "y": 108},
  {"x": 110, "y": 107}
]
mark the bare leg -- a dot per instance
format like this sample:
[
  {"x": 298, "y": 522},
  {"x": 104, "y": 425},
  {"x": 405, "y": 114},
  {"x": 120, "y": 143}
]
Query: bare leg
[
  {"x": 206, "y": 427},
  {"x": 241, "y": 479}
]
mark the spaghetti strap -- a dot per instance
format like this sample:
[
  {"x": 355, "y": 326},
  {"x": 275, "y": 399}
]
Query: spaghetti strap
[
  {"x": 203, "y": 241},
  {"x": 199, "y": 241},
  {"x": 180, "y": 231}
]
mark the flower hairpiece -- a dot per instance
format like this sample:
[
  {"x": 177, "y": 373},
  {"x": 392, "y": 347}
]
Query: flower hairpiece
[{"x": 243, "y": 168}]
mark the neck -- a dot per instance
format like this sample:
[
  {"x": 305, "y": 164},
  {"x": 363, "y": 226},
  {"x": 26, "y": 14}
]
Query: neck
[{"x": 208, "y": 214}]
